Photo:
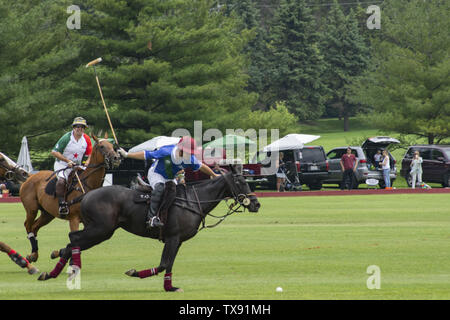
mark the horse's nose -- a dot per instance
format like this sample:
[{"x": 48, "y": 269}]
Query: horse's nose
[{"x": 255, "y": 206}]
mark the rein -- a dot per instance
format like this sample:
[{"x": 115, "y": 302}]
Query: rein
[{"x": 240, "y": 201}]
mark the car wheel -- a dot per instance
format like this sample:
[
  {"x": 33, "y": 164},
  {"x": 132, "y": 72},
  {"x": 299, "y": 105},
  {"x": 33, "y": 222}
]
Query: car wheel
[
  {"x": 382, "y": 184},
  {"x": 409, "y": 180},
  {"x": 315, "y": 186},
  {"x": 446, "y": 182}
]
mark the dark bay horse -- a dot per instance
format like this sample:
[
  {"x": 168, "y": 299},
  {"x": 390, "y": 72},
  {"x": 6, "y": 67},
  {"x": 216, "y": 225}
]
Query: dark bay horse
[
  {"x": 9, "y": 170},
  {"x": 106, "y": 209},
  {"x": 35, "y": 198}
]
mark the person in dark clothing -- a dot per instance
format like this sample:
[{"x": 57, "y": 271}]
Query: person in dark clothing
[{"x": 349, "y": 164}]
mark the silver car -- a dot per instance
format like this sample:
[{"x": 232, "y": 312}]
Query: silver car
[{"x": 366, "y": 168}]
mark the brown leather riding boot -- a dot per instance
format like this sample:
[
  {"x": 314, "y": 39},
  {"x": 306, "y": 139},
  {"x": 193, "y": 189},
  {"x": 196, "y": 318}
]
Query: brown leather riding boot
[{"x": 60, "y": 193}]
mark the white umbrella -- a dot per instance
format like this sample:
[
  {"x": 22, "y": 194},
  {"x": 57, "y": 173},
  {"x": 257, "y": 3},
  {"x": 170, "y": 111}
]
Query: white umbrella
[
  {"x": 24, "y": 159},
  {"x": 155, "y": 143},
  {"x": 290, "y": 141}
]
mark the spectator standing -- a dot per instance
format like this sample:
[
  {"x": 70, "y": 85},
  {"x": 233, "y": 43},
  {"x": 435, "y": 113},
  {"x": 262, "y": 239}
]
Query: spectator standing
[
  {"x": 386, "y": 169},
  {"x": 416, "y": 169},
  {"x": 349, "y": 164},
  {"x": 281, "y": 176}
]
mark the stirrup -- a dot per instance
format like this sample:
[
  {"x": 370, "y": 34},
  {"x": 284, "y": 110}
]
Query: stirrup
[
  {"x": 154, "y": 222},
  {"x": 63, "y": 210}
]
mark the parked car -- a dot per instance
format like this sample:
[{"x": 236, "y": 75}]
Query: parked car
[
  {"x": 310, "y": 163},
  {"x": 366, "y": 168},
  {"x": 313, "y": 166},
  {"x": 435, "y": 166}
]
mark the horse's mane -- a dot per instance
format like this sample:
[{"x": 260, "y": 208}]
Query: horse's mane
[{"x": 202, "y": 183}]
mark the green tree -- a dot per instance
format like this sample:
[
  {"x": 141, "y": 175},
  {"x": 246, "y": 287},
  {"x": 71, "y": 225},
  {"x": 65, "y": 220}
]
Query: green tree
[
  {"x": 296, "y": 64},
  {"x": 408, "y": 84},
  {"x": 35, "y": 58},
  {"x": 346, "y": 56},
  {"x": 165, "y": 64}
]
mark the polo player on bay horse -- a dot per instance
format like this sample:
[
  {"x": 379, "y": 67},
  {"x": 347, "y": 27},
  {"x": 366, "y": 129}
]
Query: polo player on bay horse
[{"x": 170, "y": 160}]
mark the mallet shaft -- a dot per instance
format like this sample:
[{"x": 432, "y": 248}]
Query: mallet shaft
[{"x": 106, "y": 110}]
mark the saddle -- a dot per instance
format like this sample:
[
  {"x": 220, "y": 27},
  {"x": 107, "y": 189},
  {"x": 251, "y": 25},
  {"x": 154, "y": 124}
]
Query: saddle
[
  {"x": 71, "y": 184},
  {"x": 142, "y": 194}
]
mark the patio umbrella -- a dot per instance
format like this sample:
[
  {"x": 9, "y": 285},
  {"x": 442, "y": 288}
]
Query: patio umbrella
[
  {"x": 290, "y": 141},
  {"x": 155, "y": 143},
  {"x": 229, "y": 140},
  {"x": 24, "y": 159}
]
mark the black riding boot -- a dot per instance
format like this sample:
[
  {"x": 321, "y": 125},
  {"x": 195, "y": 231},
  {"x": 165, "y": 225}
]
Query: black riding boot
[
  {"x": 60, "y": 190},
  {"x": 155, "y": 201}
]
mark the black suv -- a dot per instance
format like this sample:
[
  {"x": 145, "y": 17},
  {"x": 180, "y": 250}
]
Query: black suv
[
  {"x": 313, "y": 166},
  {"x": 435, "y": 166},
  {"x": 310, "y": 163}
]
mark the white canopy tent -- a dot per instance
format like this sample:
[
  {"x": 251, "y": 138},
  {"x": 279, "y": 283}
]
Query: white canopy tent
[
  {"x": 155, "y": 143},
  {"x": 24, "y": 159},
  {"x": 290, "y": 142}
]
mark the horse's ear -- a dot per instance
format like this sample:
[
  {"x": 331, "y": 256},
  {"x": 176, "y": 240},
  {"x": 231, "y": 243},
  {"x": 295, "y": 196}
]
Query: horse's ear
[
  {"x": 95, "y": 138},
  {"x": 106, "y": 135},
  {"x": 232, "y": 169}
]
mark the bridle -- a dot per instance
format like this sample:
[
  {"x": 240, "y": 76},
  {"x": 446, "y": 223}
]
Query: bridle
[
  {"x": 10, "y": 173},
  {"x": 240, "y": 204}
]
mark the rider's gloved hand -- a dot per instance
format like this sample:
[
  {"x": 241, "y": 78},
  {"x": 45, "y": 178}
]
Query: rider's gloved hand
[
  {"x": 70, "y": 164},
  {"x": 122, "y": 153}
]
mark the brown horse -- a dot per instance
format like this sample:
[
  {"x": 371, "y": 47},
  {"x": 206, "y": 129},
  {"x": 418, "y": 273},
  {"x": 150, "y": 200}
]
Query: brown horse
[
  {"x": 34, "y": 196},
  {"x": 9, "y": 170}
]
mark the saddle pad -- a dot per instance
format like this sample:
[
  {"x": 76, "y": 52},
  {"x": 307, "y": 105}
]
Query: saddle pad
[
  {"x": 140, "y": 197},
  {"x": 50, "y": 188},
  {"x": 186, "y": 198}
]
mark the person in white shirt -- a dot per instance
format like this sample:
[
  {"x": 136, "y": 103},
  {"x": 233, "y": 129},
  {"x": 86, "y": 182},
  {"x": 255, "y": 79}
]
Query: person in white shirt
[
  {"x": 416, "y": 169},
  {"x": 69, "y": 151},
  {"x": 386, "y": 169}
]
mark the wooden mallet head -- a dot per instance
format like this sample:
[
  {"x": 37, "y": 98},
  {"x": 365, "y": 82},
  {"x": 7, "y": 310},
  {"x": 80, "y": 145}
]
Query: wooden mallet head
[{"x": 94, "y": 62}]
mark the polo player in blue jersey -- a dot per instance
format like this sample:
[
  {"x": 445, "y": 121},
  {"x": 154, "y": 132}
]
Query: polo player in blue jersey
[{"x": 170, "y": 160}]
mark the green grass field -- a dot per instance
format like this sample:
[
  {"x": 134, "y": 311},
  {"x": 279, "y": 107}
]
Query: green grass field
[{"x": 312, "y": 247}]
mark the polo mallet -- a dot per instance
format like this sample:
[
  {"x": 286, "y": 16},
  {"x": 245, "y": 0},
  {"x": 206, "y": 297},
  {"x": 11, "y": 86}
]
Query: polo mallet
[
  {"x": 93, "y": 63},
  {"x": 79, "y": 181}
]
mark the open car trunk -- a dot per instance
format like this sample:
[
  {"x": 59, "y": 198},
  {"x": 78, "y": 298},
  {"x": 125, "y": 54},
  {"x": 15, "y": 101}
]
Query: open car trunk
[{"x": 372, "y": 145}]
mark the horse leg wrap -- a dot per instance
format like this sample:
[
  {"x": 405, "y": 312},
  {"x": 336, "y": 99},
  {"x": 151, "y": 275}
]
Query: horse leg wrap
[
  {"x": 58, "y": 268},
  {"x": 76, "y": 256},
  {"x": 33, "y": 241},
  {"x": 18, "y": 259},
  {"x": 168, "y": 282},
  {"x": 147, "y": 273}
]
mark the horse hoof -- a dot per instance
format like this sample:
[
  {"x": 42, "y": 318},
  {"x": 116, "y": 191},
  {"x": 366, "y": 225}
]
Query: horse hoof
[
  {"x": 44, "y": 276},
  {"x": 33, "y": 257},
  {"x": 33, "y": 270},
  {"x": 174, "y": 289},
  {"x": 54, "y": 254},
  {"x": 132, "y": 273}
]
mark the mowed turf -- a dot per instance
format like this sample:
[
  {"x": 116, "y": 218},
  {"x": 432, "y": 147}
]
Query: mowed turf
[{"x": 312, "y": 247}]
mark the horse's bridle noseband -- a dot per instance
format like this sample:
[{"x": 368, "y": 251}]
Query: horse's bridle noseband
[
  {"x": 9, "y": 174},
  {"x": 240, "y": 198}
]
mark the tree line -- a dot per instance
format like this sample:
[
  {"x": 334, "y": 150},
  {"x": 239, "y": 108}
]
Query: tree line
[{"x": 232, "y": 64}]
